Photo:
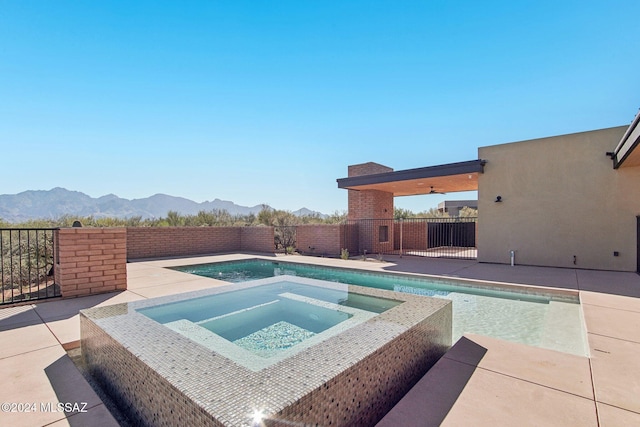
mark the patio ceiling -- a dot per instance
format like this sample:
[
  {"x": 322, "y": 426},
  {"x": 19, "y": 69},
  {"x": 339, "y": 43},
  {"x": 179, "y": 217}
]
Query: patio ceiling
[{"x": 448, "y": 178}]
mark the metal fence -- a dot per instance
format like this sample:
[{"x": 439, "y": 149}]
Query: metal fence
[
  {"x": 427, "y": 237},
  {"x": 26, "y": 264}
]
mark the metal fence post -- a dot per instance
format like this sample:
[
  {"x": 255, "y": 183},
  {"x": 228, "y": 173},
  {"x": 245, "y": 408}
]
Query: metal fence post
[{"x": 401, "y": 222}]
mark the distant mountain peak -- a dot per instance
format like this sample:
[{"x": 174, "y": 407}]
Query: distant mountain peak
[{"x": 57, "y": 202}]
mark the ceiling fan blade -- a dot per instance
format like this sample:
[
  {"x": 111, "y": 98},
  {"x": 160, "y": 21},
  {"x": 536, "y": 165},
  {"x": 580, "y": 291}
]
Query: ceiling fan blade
[{"x": 435, "y": 192}]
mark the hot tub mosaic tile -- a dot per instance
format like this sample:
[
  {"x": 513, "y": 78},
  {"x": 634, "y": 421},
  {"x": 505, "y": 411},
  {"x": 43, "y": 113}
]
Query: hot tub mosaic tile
[{"x": 353, "y": 377}]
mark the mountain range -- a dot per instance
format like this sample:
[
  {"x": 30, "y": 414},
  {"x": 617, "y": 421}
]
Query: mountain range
[{"x": 54, "y": 203}]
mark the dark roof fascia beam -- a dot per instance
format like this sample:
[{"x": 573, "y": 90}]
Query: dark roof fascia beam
[
  {"x": 459, "y": 168},
  {"x": 631, "y": 132},
  {"x": 618, "y": 162}
]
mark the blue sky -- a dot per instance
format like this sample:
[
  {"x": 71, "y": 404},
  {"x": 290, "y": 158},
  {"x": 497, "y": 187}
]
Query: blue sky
[{"x": 270, "y": 101}]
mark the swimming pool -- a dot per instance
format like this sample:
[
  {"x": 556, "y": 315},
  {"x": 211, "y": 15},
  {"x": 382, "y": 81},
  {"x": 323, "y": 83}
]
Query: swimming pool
[{"x": 542, "y": 318}]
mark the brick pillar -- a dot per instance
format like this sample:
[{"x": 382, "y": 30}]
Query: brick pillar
[
  {"x": 369, "y": 204},
  {"x": 377, "y": 235},
  {"x": 91, "y": 261}
]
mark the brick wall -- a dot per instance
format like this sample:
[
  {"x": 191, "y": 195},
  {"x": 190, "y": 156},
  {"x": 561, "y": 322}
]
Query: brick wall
[
  {"x": 91, "y": 260},
  {"x": 158, "y": 242},
  {"x": 319, "y": 239},
  {"x": 372, "y": 240},
  {"x": 257, "y": 239},
  {"x": 414, "y": 235},
  {"x": 94, "y": 260}
]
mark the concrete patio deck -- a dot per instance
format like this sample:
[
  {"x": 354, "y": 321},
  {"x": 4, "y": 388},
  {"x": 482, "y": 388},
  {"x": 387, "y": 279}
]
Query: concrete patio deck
[{"x": 480, "y": 381}]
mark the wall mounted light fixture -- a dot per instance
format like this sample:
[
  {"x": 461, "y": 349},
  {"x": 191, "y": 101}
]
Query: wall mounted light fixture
[{"x": 498, "y": 199}]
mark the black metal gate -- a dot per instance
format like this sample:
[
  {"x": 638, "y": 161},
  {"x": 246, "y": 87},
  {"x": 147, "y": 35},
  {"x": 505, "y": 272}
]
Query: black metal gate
[
  {"x": 428, "y": 237},
  {"x": 451, "y": 234},
  {"x": 26, "y": 264}
]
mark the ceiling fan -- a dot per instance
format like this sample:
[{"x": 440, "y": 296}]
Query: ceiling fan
[{"x": 435, "y": 192}]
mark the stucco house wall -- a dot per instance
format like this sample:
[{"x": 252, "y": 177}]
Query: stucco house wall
[{"x": 561, "y": 198}]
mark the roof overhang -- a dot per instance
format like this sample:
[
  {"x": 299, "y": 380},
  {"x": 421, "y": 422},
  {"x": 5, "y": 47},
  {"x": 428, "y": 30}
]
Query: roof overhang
[
  {"x": 627, "y": 153},
  {"x": 448, "y": 178}
]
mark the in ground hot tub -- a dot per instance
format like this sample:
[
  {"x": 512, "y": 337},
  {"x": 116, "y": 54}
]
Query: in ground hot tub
[{"x": 268, "y": 352}]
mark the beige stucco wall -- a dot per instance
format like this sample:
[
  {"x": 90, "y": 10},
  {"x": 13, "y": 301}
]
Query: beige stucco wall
[{"x": 561, "y": 198}]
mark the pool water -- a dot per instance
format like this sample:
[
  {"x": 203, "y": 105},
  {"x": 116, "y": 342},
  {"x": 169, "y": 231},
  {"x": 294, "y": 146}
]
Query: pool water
[
  {"x": 546, "y": 321},
  {"x": 279, "y": 336},
  {"x": 270, "y": 320},
  {"x": 305, "y": 316}
]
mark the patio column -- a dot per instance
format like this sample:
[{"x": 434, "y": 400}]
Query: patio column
[
  {"x": 369, "y": 204},
  {"x": 373, "y": 209}
]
